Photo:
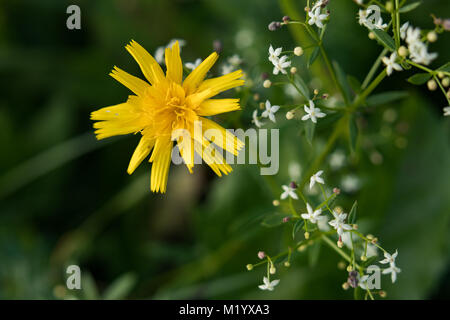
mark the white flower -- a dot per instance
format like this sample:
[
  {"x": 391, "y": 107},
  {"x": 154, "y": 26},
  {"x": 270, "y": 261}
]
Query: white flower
[
  {"x": 288, "y": 192},
  {"x": 379, "y": 24},
  {"x": 313, "y": 215},
  {"x": 418, "y": 53},
  {"x": 447, "y": 111},
  {"x": 390, "y": 63},
  {"x": 159, "y": 52},
  {"x": 315, "y": 17},
  {"x": 337, "y": 160},
  {"x": 316, "y": 178},
  {"x": 388, "y": 258},
  {"x": 256, "y": 120},
  {"x": 280, "y": 65},
  {"x": 318, "y": 4},
  {"x": 270, "y": 111},
  {"x": 393, "y": 270},
  {"x": 322, "y": 223},
  {"x": 403, "y": 29},
  {"x": 312, "y": 112},
  {"x": 227, "y": 68},
  {"x": 412, "y": 35},
  {"x": 350, "y": 183},
  {"x": 363, "y": 282},
  {"x": 274, "y": 54},
  {"x": 339, "y": 223},
  {"x": 234, "y": 60},
  {"x": 268, "y": 285},
  {"x": 193, "y": 65},
  {"x": 363, "y": 17}
]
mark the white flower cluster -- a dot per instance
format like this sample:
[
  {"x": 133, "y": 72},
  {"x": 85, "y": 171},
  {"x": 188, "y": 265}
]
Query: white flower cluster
[
  {"x": 418, "y": 50},
  {"x": 374, "y": 21},
  {"x": 268, "y": 113},
  {"x": 279, "y": 63},
  {"x": 315, "y": 14},
  {"x": 232, "y": 64},
  {"x": 393, "y": 269}
]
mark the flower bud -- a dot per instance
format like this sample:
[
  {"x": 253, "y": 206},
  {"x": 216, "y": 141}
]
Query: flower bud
[
  {"x": 446, "y": 81},
  {"x": 306, "y": 235},
  {"x": 274, "y": 25},
  {"x": 249, "y": 267},
  {"x": 286, "y": 219},
  {"x": 287, "y": 264},
  {"x": 298, "y": 51},
  {"x": 316, "y": 92},
  {"x": 267, "y": 83},
  {"x": 432, "y": 36},
  {"x": 336, "y": 190},
  {"x": 389, "y": 6},
  {"x": 340, "y": 244},
  {"x": 363, "y": 258},
  {"x": 261, "y": 255},
  {"x": 371, "y": 35},
  {"x": 302, "y": 248},
  {"x": 276, "y": 203},
  {"x": 432, "y": 85},
  {"x": 286, "y": 19},
  {"x": 293, "y": 70},
  {"x": 382, "y": 294},
  {"x": 289, "y": 115},
  {"x": 256, "y": 97},
  {"x": 345, "y": 286},
  {"x": 402, "y": 51},
  {"x": 293, "y": 185},
  {"x": 272, "y": 270},
  {"x": 349, "y": 268}
]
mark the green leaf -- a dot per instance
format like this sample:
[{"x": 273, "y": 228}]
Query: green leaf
[
  {"x": 353, "y": 133},
  {"x": 419, "y": 78},
  {"x": 354, "y": 83},
  {"x": 410, "y": 7},
  {"x": 352, "y": 215},
  {"x": 385, "y": 97},
  {"x": 302, "y": 87},
  {"x": 89, "y": 287},
  {"x": 314, "y": 253},
  {"x": 309, "y": 131},
  {"x": 342, "y": 79},
  {"x": 313, "y": 56},
  {"x": 384, "y": 38},
  {"x": 445, "y": 67},
  {"x": 273, "y": 220},
  {"x": 297, "y": 227},
  {"x": 120, "y": 288}
]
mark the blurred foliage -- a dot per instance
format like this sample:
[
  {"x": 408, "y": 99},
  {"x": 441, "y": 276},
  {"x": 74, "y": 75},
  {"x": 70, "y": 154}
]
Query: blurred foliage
[{"x": 66, "y": 198}]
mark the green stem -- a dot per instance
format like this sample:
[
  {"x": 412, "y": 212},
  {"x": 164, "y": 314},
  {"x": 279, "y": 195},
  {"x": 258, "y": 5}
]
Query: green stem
[
  {"x": 374, "y": 68},
  {"x": 361, "y": 97}
]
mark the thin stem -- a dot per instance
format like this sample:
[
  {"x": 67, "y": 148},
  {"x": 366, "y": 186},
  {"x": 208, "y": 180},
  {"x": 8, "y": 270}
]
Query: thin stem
[
  {"x": 374, "y": 68},
  {"x": 361, "y": 97}
]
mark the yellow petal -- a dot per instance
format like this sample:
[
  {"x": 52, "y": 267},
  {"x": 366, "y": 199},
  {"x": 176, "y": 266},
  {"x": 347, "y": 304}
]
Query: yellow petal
[
  {"x": 194, "y": 100},
  {"x": 213, "y": 159},
  {"x": 194, "y": 79},
  {"x": 211, "y": 107},
  {"x": 142, "y": 151},
  {"x": 150, "y": 68},
  {"x": 223, "y": 83},
  {"x": 225, "y": 140},
  {"x": 174, "y": 64},
  {"x": 161, "y": 158},
  {"x": 186, "y": 147},
  {"x": 133, "y": 83}
]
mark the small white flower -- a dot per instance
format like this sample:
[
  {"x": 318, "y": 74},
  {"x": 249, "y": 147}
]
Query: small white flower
[
  {"x": 256, "y": 120},
  {"x": 193, "y": 65},
  {"x": 274, "y": 54},
  {"x": 363, "y": 282},
  {"x": 418, "y": 53},
  {"x": 268, "y": 285},
  {"x": 447, "y": 111},
  {"x": 280, "y": 65},
  {"x": 270, "y": 111},
  {"x": 316, "y": 17},
  {"x": 390, "y": 63},
  {"x": 316, "y": 178},
  {"x": 379, "y": 24},
  {"x": 388, "y": 258},
  {"x": 339, "y": 223},
  {"x": 362, "y": 14},
  {"x": 288, "y": 192},
  {"x": 313, "y": 215},
  {"x": 412, "y": 35},
  {"x": 312, "y": 112},
  {"x": 227, "y": 68},
  {"x": 159, "y": 52},
  {"x": 403, "y": 29},
  {"x": 393, "y": 270},
  {"x": 234, "y": 60}
]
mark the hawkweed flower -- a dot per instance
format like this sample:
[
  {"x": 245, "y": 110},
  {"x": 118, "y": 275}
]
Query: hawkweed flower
[
  {"x": 313, "y": 215},
  {"x": 312, "y": 112},
  {"x": 390, "y": 63},
  {"x": 316, "y": 178},
  {"x": 288, "y": 192},
  {"x": 270, "y": 111},
  {"x": 165, "y": 106},
  {"x": 268, "y": 285}
]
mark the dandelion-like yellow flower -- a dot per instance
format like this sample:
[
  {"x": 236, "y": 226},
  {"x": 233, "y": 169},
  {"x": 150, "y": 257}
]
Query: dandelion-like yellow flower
[{"x": 165, "y": 104}]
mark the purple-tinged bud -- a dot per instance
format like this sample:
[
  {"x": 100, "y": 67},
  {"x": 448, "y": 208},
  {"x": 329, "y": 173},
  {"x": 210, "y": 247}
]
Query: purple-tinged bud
[
  {"x": 264, "y": 75},
  {"x": 274, "y": 25},
  {"x": 217, "y": 46},
  {"x": 261, "y": 255},
  {"x": 353, "y": 279},
  {"x": 293, "y": 185},
  {"x": 286, "y": 219},
  {"x": 286, "y": 19},
  {"x": 336, "y": 190},
  {"x": 446, "y": 24}
]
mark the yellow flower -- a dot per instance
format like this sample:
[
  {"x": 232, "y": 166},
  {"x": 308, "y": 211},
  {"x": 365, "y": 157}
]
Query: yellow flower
[{"x": 165, "y": 106}]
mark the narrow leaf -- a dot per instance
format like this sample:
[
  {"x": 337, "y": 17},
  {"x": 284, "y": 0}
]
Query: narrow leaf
[
  {"x": 410, "y": 7},
  {"x": 352, "y": 215},
  {"x": 297, "y": 227},
  {"x": 309, "y": 131},
  {"x": 445, "y": 67},
  {"x": 385, "y": 97},
  {"x": 342, "y": 79},
  {"x": 120, "y": 288},
  {"x": 354, "y": 83},
  {"x": 353, "y": 133},
  {"x": 419, "y": 78},
  {"x": 384, "y": 38},
  {"x": 313, "y": 56}
]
